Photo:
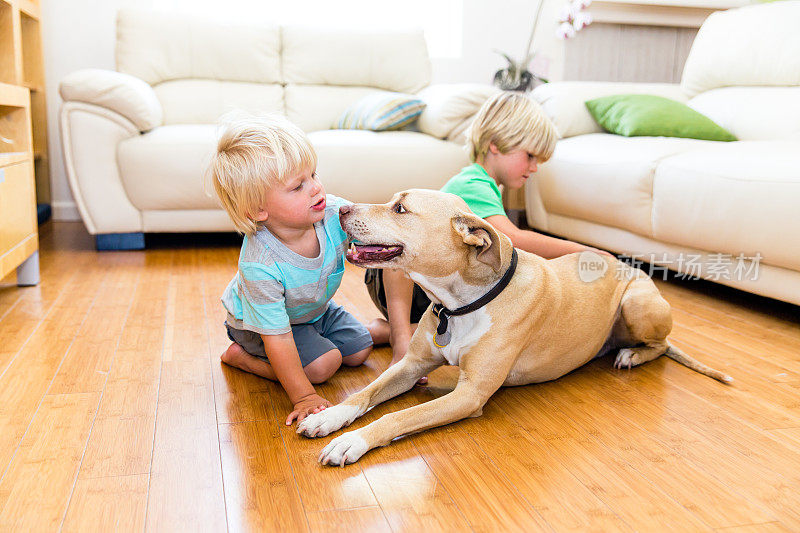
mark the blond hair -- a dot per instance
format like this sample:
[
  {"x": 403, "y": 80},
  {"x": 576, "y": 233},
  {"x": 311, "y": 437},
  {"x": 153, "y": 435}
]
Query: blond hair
[
  {"x": 511, "y": 121},
  {"x": 255, "y": 153}
]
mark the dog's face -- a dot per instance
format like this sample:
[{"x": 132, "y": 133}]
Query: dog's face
[{"x": 428, "y": 232}]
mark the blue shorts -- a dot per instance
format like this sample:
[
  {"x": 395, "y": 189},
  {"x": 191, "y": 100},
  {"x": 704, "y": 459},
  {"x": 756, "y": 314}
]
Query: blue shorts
[{"x": 336, "y": 329}]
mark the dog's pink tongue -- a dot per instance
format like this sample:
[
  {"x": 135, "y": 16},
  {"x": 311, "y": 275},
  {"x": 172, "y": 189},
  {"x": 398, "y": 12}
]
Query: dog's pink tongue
[{"x": 373, "y": 252}]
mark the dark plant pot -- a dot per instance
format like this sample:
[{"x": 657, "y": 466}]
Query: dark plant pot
[{"x": 528, "y": 81}]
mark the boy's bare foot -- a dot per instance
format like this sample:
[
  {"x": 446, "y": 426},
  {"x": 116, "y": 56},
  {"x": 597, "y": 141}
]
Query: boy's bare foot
[
  {"x": 236, "y": 356},
  {"x": 379, "y": 331}
]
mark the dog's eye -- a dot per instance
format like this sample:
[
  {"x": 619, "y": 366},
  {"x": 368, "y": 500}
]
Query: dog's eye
[{"x": 398, "y": 208}]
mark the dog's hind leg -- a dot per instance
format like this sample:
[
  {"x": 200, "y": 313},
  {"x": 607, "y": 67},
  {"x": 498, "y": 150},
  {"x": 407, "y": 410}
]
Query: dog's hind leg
[
  {"x": 647, "y": 319},
  {"x": 630, "y": 357}
]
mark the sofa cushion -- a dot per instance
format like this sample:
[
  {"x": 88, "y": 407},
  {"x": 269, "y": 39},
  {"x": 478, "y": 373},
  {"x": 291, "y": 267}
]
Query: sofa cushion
[
  {"x": 450, "y": 108},
  {"x": 164, "y": 169},
  {"x": 732, "y": 198},
  {"x": 205, "y": 101},
  {"x": 157, "y": 46},
  {"x": 753, "y": 45},
  {"x": 388, "y": 162},
  {"x": 636, "y": 115},
  {"x": 394, "y": 61},
  {"x": 606, "y": 178},
  {"x": 753, "y": 113},
  {"x": 565, "y": 101},
  {"x": 384, "y": 111},
  {"x": 318, "y": 107}
]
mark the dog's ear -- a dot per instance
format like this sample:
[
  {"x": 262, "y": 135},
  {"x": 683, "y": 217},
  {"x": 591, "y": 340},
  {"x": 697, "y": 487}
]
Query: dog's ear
[{"x": 478, "y": 233}]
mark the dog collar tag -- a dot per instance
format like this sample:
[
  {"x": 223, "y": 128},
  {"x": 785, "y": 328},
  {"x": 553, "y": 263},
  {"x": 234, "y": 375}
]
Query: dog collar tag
[
  {"x": 442, "y": 336},
  {"x": 441, "y": 340}
]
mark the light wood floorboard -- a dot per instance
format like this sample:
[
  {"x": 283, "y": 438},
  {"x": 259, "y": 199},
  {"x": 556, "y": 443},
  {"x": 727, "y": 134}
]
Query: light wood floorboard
[{"x": 116, "y": 414}]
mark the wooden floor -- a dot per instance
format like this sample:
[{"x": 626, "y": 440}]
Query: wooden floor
[{"x": 117, "y": 415}]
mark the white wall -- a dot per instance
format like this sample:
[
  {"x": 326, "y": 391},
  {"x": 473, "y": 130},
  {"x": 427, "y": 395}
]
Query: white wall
[
  {"x": 501, "y": 25},
  {"x": 75, "y": 34},
  {"x": 81, "y": 33}
]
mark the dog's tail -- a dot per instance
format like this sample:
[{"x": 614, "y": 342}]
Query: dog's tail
[{"x": 676, "y": 354}]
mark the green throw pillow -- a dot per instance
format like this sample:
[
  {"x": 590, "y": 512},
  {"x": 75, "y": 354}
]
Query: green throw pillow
[
  {"x": 634, "y": 115},
  {"x": 381, "y": 112}
]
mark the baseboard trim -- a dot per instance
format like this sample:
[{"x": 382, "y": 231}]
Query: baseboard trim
[{"x": 65, "y": 211}]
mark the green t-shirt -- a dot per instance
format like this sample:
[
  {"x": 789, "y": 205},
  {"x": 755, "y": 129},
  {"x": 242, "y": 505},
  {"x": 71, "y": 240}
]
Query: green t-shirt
[{"x": 478, "y": 189}]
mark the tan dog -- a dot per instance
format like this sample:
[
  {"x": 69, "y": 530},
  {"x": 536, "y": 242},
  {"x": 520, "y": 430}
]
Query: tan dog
[{"x": 553, "y": 316}]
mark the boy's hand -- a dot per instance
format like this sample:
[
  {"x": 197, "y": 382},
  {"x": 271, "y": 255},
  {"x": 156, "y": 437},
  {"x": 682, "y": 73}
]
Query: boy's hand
[
  {"x": 601, "y": 252},
  {"x": 313, "y": 403}
]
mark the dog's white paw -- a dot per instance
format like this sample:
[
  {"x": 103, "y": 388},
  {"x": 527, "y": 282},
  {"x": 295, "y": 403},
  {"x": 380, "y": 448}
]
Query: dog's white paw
[
  {"x": 327, "y": 421},
  {"x": 626, "y": 358},
  {"x": 344, "y": 449}
]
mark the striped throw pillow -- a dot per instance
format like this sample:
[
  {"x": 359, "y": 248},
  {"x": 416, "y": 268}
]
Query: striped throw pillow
[{"x": 382, "y": 111}]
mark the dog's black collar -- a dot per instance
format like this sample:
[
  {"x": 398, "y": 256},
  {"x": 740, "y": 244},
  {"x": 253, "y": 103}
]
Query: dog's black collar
[{"x": 442, "y": 337}]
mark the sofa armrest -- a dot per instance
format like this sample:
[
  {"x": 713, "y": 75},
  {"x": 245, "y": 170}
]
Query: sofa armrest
[
  {"x": 124, "y": 94},
  {"x": 450, "y": 107},
  {"x": 565, "y": 101},
  {"x": 90, "y": 136}
]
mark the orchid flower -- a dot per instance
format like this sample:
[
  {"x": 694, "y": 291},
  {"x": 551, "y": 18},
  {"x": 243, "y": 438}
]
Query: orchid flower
[{"x": 573, "y": 18}]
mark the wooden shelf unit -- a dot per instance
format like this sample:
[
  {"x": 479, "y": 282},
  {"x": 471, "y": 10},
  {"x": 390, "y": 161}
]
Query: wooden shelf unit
[
  {"x": 22, "y": 63},
  {"x": 23, "y": 133}
]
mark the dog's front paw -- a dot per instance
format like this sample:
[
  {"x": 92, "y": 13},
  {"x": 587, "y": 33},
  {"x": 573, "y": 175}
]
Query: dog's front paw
[
  {"x": 327, "y": 421},
  {"x": 344, "y": 449}
]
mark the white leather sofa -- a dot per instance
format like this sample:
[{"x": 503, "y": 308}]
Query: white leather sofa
[
  {"x": 669, "y": 199},
  {"x": 137, "y": 141}
]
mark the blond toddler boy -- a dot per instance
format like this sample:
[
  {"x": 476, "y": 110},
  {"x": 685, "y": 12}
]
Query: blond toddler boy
[{"x": 281, "y": 320}]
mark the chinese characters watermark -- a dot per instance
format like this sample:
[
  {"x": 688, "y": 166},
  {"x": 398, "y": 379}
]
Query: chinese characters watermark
[{"x": 712, "y": 267}]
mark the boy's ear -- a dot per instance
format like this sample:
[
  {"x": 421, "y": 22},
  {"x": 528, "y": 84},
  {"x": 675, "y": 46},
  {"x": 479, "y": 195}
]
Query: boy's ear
[
  {"x": 479, "y": 234},
  {"x": 261, "y": 215},
  {"x": 494, "y": 149}
]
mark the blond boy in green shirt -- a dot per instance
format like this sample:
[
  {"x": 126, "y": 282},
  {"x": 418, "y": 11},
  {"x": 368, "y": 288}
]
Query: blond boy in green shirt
[{"x": 506, "y": 141}]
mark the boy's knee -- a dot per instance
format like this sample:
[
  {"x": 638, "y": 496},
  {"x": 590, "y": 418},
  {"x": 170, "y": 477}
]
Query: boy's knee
[
  {"x": 324, "y": 366},
  {"x": 357, "y": 358}
]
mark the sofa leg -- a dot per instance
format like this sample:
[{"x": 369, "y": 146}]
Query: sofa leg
[{"x": 119, "y": 241}]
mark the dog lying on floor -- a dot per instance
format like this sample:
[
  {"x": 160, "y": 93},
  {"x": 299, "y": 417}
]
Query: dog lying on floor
[{"x": 503, "y": 316}]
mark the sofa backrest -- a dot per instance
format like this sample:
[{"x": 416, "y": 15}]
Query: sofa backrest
[
  {"x": 393, "y": 61},
  {"x": 203, "y": 101},
  {"x": 753, "y": 113},
  {"x": 201, "y": 69},
  {"x": 157, "y": 47},
  {"x": 753, "y": 45},
  {"x": 325, "y": 71},
  {"x": 743, "y": 70}
]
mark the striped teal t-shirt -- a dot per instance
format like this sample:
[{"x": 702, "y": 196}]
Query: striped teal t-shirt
[{"x": 276, "y": 288}]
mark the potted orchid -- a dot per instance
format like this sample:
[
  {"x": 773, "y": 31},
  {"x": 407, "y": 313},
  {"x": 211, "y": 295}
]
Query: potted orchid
[{"x": 573, "y": 17}]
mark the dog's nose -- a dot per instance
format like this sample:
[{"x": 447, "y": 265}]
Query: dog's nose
[{"x": 343, "y": 210}]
